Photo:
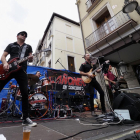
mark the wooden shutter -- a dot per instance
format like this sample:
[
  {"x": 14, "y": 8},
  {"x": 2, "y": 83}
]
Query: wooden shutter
[{"x": 71, "y": 65}]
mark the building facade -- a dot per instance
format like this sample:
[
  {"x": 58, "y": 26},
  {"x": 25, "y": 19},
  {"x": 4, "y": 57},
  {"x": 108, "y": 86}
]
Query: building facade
[
  {"x": 109, "y": 32},
  {"x": 63, "y": 37}
]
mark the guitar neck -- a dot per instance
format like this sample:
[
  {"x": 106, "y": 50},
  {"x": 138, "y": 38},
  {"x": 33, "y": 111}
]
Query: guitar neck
[
  {"x": 106, "y": 62},
  {"x": 26, "y": 58},
  {"x": 97, "y": 69},
  {"x": 22, "y": 60}
]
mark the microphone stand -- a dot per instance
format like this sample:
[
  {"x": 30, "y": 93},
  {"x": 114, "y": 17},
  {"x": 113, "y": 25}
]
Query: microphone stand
[
  {"x": 68, "y": 73},
  {"x": 104, "y": 84}
]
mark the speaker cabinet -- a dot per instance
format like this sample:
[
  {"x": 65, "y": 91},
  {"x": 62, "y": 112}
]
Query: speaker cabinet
[{"x": 130, "y": 101}]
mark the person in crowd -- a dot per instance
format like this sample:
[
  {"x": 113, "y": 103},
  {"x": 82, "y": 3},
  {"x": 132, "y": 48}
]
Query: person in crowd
[{"x": 113, "y": 82}]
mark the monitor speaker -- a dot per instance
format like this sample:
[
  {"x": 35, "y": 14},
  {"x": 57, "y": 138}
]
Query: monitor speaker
[{"x": 130, "y": 101}]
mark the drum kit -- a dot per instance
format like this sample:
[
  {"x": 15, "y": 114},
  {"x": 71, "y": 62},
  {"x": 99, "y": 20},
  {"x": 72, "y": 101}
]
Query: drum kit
[{"x": 38, "y": 98}]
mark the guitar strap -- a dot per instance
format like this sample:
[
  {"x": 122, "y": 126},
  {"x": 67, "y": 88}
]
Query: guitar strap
[{"x": 22, "y": 55}]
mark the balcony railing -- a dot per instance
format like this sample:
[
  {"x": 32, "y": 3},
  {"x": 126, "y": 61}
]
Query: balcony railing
[
  {"x": 115, "y": 22},
  {"x": 91, "y": 3}
]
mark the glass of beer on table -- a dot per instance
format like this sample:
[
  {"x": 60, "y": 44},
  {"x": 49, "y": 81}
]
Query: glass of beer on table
[{"x": 26, "y": 132}]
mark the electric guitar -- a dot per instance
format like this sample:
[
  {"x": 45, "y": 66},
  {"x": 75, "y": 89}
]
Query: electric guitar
[
  {"x": 87, "y": 79},
  {"x": 14, "y": 66},
  {"x": 118, "y": 83}
]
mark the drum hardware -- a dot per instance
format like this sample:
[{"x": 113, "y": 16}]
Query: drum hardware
[
  {"x": 10, "y": 107},
  {"x": 68, "y": 73},
  {"x": 54, "y": 74}
]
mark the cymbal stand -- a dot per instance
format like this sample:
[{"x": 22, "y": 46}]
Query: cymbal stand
[
  {"x": 68, "y": 73},
  {"x": 11, "y": 105}
]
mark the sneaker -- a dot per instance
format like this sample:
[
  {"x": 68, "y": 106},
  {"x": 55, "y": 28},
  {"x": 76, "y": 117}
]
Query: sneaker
[{"x": 29, "y": 122}]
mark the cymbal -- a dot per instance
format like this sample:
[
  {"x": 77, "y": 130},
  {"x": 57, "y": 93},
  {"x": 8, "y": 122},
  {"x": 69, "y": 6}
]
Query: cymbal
[
  {"x": 46, "y": 88},
  {"x": 32, "y": 79}
]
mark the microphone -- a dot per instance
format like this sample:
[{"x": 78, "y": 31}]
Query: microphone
[{"x": 57, "y": 60}]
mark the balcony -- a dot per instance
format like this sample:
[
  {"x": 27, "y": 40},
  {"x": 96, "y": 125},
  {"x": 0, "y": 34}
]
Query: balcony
[
  {"x": 42, "y": 60},
  {"x": 111, "y": 29},
  {"x": 90, "y": 4}
]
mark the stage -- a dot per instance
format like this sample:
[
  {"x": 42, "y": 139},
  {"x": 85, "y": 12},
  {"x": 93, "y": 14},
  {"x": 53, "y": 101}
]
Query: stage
[{"x": 57, "y": 129}]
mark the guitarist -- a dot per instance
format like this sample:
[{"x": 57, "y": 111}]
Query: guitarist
[
  {"x": 15, "y": 50},
  {"x": 84, "y": 69},
  {"x": 112, "y": 79}
]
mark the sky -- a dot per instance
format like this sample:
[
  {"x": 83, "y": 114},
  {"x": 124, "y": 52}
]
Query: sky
[{"x": 31, "y": 16}]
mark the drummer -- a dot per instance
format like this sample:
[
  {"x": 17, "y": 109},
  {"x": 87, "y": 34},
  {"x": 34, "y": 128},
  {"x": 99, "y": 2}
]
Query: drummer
[
  {"x": 33, "y": 87},
  {"x": 38, "y": 74}
]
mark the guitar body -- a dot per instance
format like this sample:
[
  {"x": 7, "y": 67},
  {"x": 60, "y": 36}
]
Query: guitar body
[
  {"x": 87, "y": 79},
  {"x": 13, "y": 67},
  {"x": 116, "y": 86}
]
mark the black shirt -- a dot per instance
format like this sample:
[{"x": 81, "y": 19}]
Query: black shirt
[
  {"x": 14, "y": 49},
  {"x": 85, "y": 67}
]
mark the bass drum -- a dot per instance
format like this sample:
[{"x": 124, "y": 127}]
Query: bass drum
[{"x": 39, "y": 105}]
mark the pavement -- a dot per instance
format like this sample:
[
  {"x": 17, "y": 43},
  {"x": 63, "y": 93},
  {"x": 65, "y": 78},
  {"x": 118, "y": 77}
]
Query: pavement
[{"x": 70, "y": 129}]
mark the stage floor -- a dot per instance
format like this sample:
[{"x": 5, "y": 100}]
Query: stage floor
[{"x": 67, "y": 129}]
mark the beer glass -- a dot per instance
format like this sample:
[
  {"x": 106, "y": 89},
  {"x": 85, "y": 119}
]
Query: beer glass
[{"x": 26, "y": 132}]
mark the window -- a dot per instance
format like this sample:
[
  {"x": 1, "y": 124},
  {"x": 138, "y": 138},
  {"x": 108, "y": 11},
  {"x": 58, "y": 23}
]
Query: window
[
  {"x": 49, "y": 64},
  {"x": 104, "y": 24},
  {"x": 71, "y": 65}
]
